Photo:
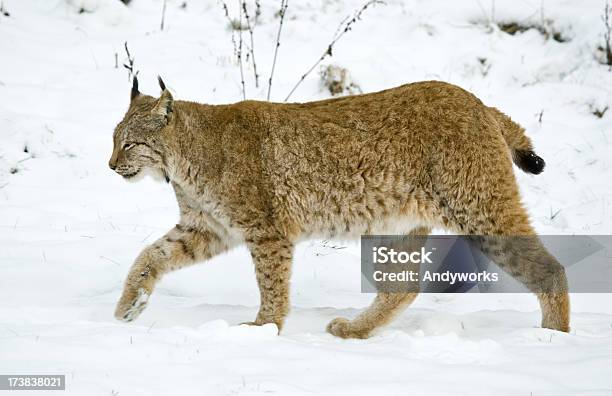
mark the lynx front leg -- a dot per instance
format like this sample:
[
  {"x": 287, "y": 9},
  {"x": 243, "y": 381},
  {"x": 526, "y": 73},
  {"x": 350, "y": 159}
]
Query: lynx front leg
[
  {"x": 180, "y": 247},
  {"x": 272, "y": 259}
]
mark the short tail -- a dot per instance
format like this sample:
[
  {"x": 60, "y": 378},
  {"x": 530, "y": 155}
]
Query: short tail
[{"x": 519, "y": 144}]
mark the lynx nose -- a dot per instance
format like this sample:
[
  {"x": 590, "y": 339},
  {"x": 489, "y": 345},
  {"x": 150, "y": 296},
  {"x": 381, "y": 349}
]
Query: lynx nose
[{"x": 112, "y": 163}]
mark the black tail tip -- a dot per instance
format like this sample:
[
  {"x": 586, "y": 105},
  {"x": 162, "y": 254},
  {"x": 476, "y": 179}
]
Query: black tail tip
[{"x": 529, "y": 161}]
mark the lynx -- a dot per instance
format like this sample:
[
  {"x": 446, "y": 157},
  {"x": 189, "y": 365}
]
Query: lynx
[{"x": 407, "y": 159}]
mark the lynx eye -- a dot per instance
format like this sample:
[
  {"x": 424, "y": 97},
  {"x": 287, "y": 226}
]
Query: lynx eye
[{"x": 128, "y": 146}]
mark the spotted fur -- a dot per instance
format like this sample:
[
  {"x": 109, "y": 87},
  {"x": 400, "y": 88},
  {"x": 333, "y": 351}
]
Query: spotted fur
[{"x": 267, "y": 175}]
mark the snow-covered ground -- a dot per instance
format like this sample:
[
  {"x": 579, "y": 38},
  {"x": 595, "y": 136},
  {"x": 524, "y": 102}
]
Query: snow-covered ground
[{"x": 70, "y": 227}]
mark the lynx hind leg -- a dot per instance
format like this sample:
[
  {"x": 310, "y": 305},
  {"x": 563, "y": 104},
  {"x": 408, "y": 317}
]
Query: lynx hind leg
[
  {"x": 513, "y": 245},
  {"x": 385, "y": 307},
  {"x": 272, "y": 257},
  {"x": 178, "y": 248},
  {"x": 528, "y": 261},
  {"x": 382, "y": 310}
]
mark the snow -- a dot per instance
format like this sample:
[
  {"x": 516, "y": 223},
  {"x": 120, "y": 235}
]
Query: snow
[{"x": 70, "y": 228}]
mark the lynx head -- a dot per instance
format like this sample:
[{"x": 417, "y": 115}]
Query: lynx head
[{"x": 138, "y": 140}]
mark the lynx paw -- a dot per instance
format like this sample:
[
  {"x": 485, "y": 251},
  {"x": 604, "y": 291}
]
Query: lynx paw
[
  {"x": 344, "y": 328},
  {"x": 258, "y": 322},
  {"x": 556, "y": 325},
  {"x": 128, "y": 308}
]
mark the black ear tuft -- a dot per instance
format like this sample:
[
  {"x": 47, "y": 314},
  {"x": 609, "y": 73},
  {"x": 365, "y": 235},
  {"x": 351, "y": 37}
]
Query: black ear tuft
[
  {"x": 135, "y": 91},
  {"x": 161, "y": 83}
]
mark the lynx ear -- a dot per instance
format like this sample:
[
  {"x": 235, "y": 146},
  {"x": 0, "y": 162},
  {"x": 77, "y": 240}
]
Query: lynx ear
[
  {"x": 164, "y": 105},
  {"x": 135, "y": 91}
]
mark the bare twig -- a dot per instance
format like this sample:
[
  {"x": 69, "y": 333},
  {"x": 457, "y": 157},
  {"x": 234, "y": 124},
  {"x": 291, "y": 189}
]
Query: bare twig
[
  {"x": 345, "y": 26},
  {"x": 111, "y": 260},
  {"x": 540, "y": 115},
  {"x": 598, "y": 112},
  {"x": 3, "y": 10},
  {"x": 226, "y": 12},
  {"x": 553, "y": 215},
  {"x": 608, "y": 33},
  {"x": 251, "y": 28},
  {"x": 240, "y": 49},
  {"x": 25, "y": 159},
  {"x": 130, "y": 63},
  {"x": 236, "y": 25},
  {"x": 282, "y": 12},
  {"x": 231, "y": 24},
  {"x": 257, "y": 11},
  {"x": 163, "y": 17}
]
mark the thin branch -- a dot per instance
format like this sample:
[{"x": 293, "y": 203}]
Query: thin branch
[
  {"x": 3, "y": 10},
  {"x": 163, "y": 16},
  {"x": 111, "y": 260},
  {"x": 340, "y": 25},
  {"x": 251, "y": 27},
  {"x": 231, "y": 24},
  {"x": 130, "y": 63},
  {"x": 345, "y": 26},
  {"x": 257, "y": 11},
  {"x": 282, "y": 12},
  {"x": 237, "y": 50},
  {"x": 240, "y": 49},
  {"x": 608, "y": 33},
  {"x": 226, "y": 12}
]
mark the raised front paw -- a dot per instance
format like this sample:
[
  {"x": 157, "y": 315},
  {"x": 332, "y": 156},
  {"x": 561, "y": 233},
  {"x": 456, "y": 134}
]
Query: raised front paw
[
  {"x": 344, "y": 328},
  {"x": 131, "y": 304}
]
